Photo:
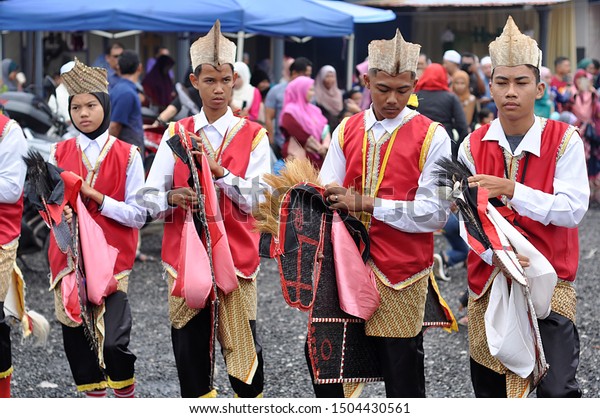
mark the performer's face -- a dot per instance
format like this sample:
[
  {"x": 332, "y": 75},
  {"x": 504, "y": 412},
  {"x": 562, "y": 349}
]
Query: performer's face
[
  {"x": 87, "y": 112},
  {"x": 514, "y": 90},
  {"x": 215, "y": 85},
  {"x": 389, "y": 94}
]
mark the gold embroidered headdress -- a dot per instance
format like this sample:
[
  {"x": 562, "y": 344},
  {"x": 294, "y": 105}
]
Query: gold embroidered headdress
[
  {"x": 394, "y": 56},
  {"x": 513, "y": 48},
  {"x": 83, "y": 79},
  {"x": 213, "y": 49}
]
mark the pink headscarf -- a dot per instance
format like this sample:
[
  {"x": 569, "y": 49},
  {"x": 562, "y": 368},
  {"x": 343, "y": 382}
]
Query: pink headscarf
[
  {"x": 362, "y": 69},
  {"x": 295, "y": 104},
  {"x": 329, "y": 98}
]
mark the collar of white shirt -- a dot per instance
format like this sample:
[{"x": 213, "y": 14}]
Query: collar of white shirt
[
  {"x": 389, "y": 125},
  {"x": 85, "y": 142},
  {"x": 531, "y": 142},
  {"x": 221, "y": 124}
]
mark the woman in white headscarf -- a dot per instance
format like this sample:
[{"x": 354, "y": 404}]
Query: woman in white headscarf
[
  {"x": 328, "y": 96},
  {"x": 246, "y": 100}
]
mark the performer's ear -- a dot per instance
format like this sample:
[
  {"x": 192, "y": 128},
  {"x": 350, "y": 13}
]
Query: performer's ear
[
  {"x": 540, "y": 90},
  {"x": 367, "y": 80},
  {"x": 194, "y": 80}
]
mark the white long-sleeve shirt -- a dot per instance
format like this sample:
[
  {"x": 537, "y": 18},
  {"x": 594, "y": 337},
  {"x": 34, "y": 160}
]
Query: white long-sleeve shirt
[
  {"x": 129, "y": 212},
  {"x": 426, "y": 213},
  {"x": 13, "y": 147},
  {"x": 569, "y": 202},
  {"x": 246, "y": 191}
]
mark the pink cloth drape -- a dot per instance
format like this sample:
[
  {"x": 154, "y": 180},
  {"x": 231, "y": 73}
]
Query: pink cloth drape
[
  {"x": 194, "y": 277},
  {"x": 194, "y": 281},
  {"x": 225, "y": 274},
  {"x": 99, "y": 260},
  {"x": 99, "y": 257},
  {"x": 357, "y": 289}
]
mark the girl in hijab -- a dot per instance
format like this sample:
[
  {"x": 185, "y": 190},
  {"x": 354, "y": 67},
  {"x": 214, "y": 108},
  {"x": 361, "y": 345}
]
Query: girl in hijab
[
  {"x": 460, "y": 87},
  {"x": 246, "y": 100},
  {"x": 302, "y": 124},
  {"x": 158, "y": 85},
  {"x": 328, "y": 97},
  {"x": 111, "y": 171}
]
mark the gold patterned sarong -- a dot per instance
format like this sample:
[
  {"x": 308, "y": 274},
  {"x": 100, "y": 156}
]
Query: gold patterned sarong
[
  {"x": 400, "y": 313},
  {"x": 8, "y": 255},
  {"x": 236, "y": 310}
]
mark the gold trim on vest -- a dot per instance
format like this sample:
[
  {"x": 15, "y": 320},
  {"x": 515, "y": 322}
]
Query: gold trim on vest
[
  {"x": 427, "y": 144},
  {"x": 565, "y": 141}
]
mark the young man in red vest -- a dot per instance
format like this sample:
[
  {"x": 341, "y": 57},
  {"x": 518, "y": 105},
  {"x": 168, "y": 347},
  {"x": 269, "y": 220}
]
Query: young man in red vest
[
  {"x": 13, "y": 147},
  {"x": 537, "y": 168},
  {"x": 380, "y": 166},
  {"x": 112, "y": 172},
  {"x": 238, "y": 153}
]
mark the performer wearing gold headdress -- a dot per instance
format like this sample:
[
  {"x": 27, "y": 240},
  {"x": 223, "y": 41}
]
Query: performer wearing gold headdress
[
  {"x": 380, "y": 165},
  {"x": 537, "y": 168},
  {"x": 112, "y": 172},
  {"x": 237, "y": 151}
]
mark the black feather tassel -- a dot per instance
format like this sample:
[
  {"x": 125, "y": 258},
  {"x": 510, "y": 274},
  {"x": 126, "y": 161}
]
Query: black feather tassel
[
  {"x": 37, "y": 174},
  {"x": 452, "y": 180}
]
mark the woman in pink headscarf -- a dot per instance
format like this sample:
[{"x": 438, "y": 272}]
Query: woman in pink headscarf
[
  {"x": 302, "y": 124},
  {"x": 328, "y": 96}
]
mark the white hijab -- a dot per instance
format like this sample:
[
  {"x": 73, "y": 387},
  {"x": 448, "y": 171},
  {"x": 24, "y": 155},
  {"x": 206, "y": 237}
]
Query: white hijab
[{"x": 246, "y": 92}]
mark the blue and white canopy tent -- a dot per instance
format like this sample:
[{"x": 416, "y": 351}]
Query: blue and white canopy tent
[{"x": 297, "y": 18}]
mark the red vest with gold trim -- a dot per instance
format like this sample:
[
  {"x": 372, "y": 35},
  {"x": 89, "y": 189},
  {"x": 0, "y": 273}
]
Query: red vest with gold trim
[
  {"x": 243, "y": 239},
  {"x": 398, "y": 255},
  {"x": 560, "y": 245},
  {"x": 10, "y": 213},
  {"x": 110, "y": 181}
]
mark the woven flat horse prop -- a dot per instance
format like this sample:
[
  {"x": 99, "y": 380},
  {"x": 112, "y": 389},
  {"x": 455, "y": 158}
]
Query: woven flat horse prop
[{"x": 321, "y": 255}]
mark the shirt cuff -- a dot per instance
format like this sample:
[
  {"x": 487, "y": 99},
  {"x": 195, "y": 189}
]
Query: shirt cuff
[
  {"x": 225, "y": 174},
  {"x": 384, "y": 208},
  {"x": 156, "y": 203},
  {"x": 108, "y": 205},
  {"x": 221, "y": 181},
  {"x": 520, "y": 195}
]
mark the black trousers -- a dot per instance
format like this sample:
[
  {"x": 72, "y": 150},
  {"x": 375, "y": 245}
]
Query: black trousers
[
  {"x": 561, "y": 348},
  {"x": 402, "y": 364},
  {"x": 118, "y": 359},
  {"x": 5, "y": 350},
  {"x": 191, "y": 347}
]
